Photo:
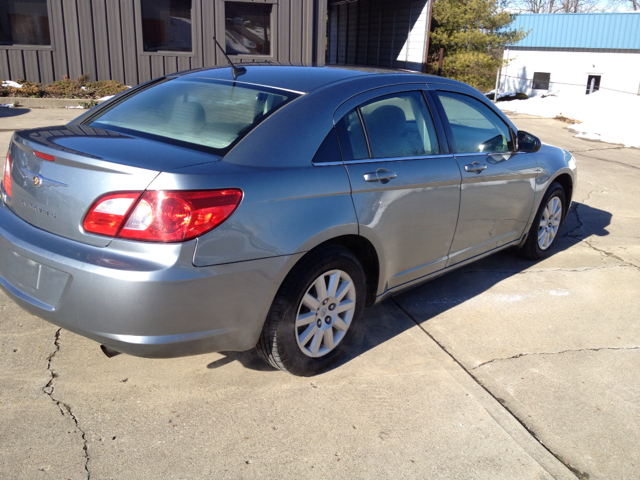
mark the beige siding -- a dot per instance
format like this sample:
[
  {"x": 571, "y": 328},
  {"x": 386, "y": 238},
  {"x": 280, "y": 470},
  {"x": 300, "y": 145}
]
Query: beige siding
[{"x": 103, "y": 38}]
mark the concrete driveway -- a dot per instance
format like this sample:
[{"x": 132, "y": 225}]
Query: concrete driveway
[{"x": 505, "y": 369}]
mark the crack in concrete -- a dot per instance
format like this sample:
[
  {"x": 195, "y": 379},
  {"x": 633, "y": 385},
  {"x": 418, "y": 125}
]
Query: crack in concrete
[
  {"x": 540, "y": 270},
  {"x": 65, "y": 409},
  {"x": 612, "y": 255},
  {"x": 574, "y": 208},
  {"x": 554, "y": 353}
]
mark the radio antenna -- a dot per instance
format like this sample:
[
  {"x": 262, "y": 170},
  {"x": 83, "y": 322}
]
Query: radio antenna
[{"x": 236, "y": 71}]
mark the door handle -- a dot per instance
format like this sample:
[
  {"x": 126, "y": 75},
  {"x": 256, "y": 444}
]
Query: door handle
[
  {"x": 474, "y": 167},
  {"x": 381, "y": 175}
]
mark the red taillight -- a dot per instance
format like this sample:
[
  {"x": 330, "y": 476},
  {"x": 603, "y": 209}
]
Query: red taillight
[
  {"x": 161, "y": 216},
  {"x": 44, "y": 156},
  {"x": 108, "y": 213},
  {"x": 6, "y": 179}
]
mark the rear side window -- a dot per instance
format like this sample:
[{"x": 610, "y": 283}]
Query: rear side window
[
  {"x": 476, "y": 128},
  {"x": 400, "y": 125},
  {"x": 351, "y": 135},
  {"x": 201, "y": 113},
  {"x": 329, "y": 151}
]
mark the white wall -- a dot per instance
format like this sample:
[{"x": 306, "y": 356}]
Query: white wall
[
  {"x": 619, "y": 71},
  {"x": 413, "y": 49}
]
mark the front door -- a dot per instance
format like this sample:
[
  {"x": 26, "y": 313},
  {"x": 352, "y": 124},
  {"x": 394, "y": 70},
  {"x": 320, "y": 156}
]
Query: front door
[{"x": 498, "y": 184}]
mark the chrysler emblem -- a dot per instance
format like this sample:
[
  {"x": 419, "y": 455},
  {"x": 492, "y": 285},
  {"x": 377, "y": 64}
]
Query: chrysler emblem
[{"x": 40, "y": 181}]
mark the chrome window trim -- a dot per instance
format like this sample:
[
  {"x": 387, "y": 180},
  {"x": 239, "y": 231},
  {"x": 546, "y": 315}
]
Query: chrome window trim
[
  {"x": 366, "y": 134},
  {"x": 467, "y": 154},
  {"x": 326, "y": 164},
  {"x": 389, "y": 159}
]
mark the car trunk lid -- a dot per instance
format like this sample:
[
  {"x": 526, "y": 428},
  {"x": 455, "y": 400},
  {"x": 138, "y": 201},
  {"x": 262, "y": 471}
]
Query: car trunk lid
[{"x": 58, "y": 173}]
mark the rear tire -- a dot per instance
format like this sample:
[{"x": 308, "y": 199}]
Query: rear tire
[
  {"x": 546, "y": 224},
  {"x": 315, "y": 313}
]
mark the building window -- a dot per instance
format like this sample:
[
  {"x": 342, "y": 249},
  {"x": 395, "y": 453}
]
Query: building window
[
  {"x": 166, "y": 25},
  {"x": 248, "y": 28},
  {"x": 541, "y": 81},
  {"x": 24, "y": 22}
]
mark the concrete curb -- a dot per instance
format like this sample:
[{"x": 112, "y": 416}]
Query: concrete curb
[{"x": 27, "y": 102}]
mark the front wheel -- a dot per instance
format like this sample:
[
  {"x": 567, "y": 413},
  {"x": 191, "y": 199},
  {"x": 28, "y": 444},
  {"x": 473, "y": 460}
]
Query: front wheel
[
  {"x": 546, "y": 224},
  {"x": 315, "y": 313}
]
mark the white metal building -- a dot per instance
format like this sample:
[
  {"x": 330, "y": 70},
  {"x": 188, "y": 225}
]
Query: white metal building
[{"x": 574, "y": 52}]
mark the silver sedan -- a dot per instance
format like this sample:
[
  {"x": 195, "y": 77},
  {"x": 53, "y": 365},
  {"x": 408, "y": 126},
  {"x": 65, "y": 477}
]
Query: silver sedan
[{"x": 225, "y": 210}]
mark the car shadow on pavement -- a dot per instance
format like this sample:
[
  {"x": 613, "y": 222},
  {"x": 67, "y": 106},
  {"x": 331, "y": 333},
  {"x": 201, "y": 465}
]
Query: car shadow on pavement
[
  {"x": 12, "y": 112},
  {"x": 249, "y": 359},
  {"x": 383, "y": 322}
]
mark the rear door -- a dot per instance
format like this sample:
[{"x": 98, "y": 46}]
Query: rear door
[
  {"x": 498, "y": 183},
  {"x": 405, "y": 184}
]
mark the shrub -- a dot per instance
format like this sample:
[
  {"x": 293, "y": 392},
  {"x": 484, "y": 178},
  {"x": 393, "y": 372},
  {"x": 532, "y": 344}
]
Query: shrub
[
  {"x": 65, "y": 88},
  {"x": 28, "y": 89},
  {"x": 102, "y": 88}
]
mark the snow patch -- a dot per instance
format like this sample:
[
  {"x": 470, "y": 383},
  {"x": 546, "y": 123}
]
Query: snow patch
[
  {"x": 502, "y": 95},
  {"x": 607, "y": 116},
  {"x": 9, "y": 83}
]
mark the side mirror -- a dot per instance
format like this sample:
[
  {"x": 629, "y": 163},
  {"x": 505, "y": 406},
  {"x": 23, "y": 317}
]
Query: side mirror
[{"x": 528, "y": 143}]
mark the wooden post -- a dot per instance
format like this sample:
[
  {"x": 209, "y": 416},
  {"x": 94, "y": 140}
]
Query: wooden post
[{"x": 440, "y": 62}]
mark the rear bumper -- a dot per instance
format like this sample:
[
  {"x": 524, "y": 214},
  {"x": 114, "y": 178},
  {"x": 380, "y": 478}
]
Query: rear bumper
[{"x": 142, "y": 299}]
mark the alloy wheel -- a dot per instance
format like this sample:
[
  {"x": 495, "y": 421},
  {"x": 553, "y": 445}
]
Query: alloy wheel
[
  {"x": 325, "y": 313},
  {"x": 549, "y": 223}
]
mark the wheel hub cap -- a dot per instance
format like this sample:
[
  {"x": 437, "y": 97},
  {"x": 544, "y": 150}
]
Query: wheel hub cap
[
  {"x": 549, "y": 223},
  {"x": 325, "y": 313}
]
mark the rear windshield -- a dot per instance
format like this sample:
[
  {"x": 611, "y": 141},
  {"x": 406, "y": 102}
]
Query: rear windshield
[{"x": 198, "y": 113}]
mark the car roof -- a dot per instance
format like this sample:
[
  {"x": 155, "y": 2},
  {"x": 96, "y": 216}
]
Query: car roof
[{"x": 304, "y": 79}]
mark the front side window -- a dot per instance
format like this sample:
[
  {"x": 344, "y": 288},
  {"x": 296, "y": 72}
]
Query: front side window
[
  {"x": 194, "y": 112},
  {"x": 247, "y": 28},
  {"x": 399, "y": 125},
  {"x": 476, "y": 129},
  {"x": 541, "y": 81},
  {"x": 166, "y": 25},
  {"x": 24, "y": 22}
]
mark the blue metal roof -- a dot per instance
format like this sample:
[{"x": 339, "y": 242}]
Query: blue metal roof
[{"x": 580, "y": 30}]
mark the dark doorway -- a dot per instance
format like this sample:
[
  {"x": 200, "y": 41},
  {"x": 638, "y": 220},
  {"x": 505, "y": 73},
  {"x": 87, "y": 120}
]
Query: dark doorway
[{"x": 593, "y": 83}]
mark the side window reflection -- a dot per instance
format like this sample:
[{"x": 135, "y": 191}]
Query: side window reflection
[
  {"x": 400, "y": 125},
  {"x": 352, "y": 140},
  {"x": 476, "y": 129}
]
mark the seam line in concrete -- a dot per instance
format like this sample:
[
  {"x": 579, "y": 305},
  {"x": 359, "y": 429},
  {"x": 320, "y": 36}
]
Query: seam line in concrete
[
  {"x": 544, "y": 457},
  {"x": 64, "y": 407},
  {"x": 608, "y": 161}
]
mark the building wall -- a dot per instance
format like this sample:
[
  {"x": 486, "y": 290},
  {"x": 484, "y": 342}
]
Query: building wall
[
  {"x": 570, "y": 70},
  {"x": 104, "y": 39},
  {"x": 380, "y": 33}
]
